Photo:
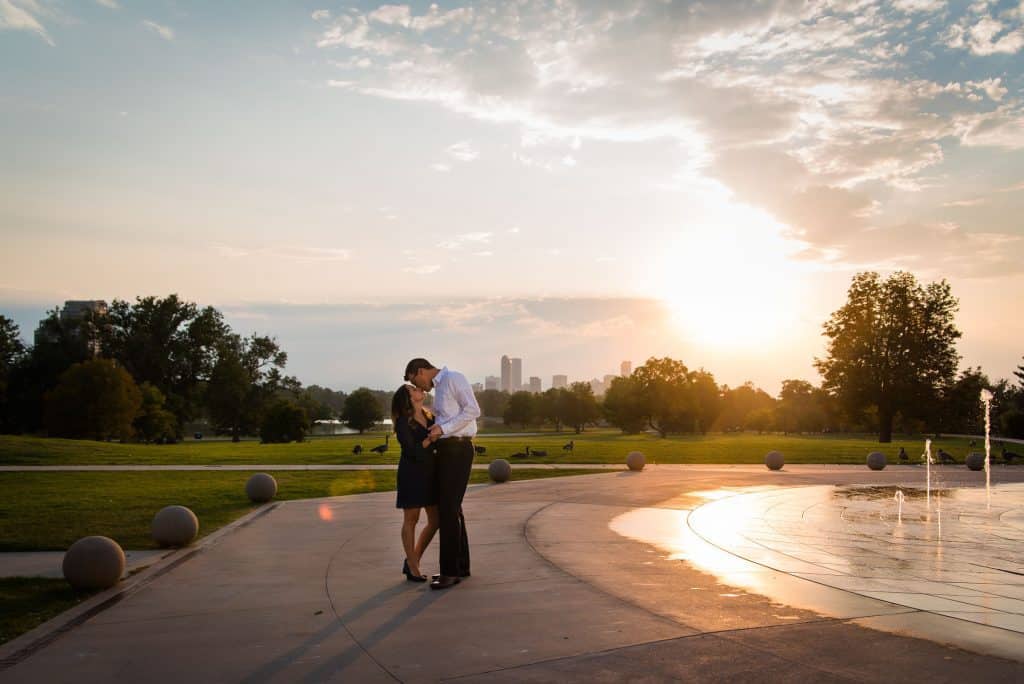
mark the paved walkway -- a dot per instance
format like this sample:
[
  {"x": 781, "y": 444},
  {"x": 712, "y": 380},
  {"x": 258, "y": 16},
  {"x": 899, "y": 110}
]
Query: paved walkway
[
  {"x": 309, "y": 591},
  {"x": 48, "y": 563},
  {"x": 283, "y": 467}
]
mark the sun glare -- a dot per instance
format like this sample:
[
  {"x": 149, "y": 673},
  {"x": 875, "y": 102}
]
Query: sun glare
[{"x": 731, "y": 284}]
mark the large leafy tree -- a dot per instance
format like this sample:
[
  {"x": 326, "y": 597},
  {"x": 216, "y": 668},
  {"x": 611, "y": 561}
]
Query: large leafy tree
[
  {"x": 362, "y": 410},
  {"x": 169, "y": 343},
  {"x": 800, "y": 408},
  {"x": 552, "y": 406},
  {"x": 522, "y": 409},
  {"x": 891, "y": 346},
  {"x": 580, "y": 407},
  {"x": 284, "y": 421},
  {"x": 739, "y": 402},
  {"x": 93, "y": 400},
  {"x": 624, "y": 405},
  {"x": 246, "y": 376},
  {"x": 669, "y": 400}
]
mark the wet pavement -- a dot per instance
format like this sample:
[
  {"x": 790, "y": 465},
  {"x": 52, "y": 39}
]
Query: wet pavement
[{"x": 618, "y": 576}]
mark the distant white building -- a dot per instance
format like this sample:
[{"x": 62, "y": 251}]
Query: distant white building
[
  {"x": 478, "y": 387},
  {"x": 506, "y": 374},
  {"x": 608, "y": 381},
  {"x": 559, "y": 381},
  {"x": 597, "y": 386},
  {"x": 626, "y": 369},
  {"x": 492, "y": 383},
  {"x": 535, "y": 385},
  {"x": 517, "y": 375}
]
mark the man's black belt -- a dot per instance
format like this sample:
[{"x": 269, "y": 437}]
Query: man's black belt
[{"x": 456, "y": 439}]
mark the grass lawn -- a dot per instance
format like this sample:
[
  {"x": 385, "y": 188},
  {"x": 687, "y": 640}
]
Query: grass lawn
[
  {"x": 47, "y": 511},
  {"x": 593, "y": 446},
  {"x": 27, "y": 602}
]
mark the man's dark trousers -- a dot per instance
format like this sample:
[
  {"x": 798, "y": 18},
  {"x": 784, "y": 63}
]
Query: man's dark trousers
[{"x": 454, "y": 463}]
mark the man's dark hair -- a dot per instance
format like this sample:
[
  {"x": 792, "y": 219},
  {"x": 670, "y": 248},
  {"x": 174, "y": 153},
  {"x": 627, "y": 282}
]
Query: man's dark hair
[{"x": 415, "y": 366}]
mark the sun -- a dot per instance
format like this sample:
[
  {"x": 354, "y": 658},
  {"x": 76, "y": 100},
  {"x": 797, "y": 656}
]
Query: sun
[{"x": 732, "y": 284}]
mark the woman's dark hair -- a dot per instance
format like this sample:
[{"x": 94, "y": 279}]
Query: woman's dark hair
[{"x": 401, "y": 404}]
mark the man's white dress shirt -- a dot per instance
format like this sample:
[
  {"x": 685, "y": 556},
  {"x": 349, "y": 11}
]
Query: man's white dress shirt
[{"x": 455, "y": 407}]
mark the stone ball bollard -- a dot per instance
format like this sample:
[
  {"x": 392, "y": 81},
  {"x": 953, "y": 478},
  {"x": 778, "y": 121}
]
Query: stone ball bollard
[
  {"x": 261, "y": 488},
  {"x": 94, "y": 563},
  {"x": 774, "y": 460},
  {"x": 500, "y": 470},
  {"x": 636, "y": 461},
  {"x": 975, "y": 460},
  {"x": 876, "y": 460},
  {"x": 175, "y": 526}
]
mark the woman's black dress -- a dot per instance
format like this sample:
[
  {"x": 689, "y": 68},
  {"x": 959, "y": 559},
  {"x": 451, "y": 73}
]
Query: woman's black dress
[{"x": 416, "y": 467}]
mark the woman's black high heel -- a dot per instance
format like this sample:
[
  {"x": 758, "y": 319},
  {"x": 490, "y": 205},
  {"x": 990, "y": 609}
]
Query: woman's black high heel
[{"x": 409, "y": 577}]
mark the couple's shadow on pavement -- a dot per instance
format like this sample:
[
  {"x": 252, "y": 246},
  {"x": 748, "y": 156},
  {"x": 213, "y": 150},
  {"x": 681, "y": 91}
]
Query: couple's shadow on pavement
[{"x": 338, "y": 663}]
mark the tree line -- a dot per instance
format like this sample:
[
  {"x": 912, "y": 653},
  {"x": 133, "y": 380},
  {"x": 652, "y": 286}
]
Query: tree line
[
  {"x": 143, "y": 370},
  {"x": 146, "y": 369}
]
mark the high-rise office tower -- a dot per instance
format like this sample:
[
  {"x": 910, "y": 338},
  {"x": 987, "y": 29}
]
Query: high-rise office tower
[
  {"x": 559, "y": 381},
  {"x": 535, "y": 385},
  {"x": 506, "y": 374},
  {"x": 492, "y": 383},
  {"x": 626, "y": 369},
  {"x": 608, "y": 381},
  {"x": 517, "y": 375}
]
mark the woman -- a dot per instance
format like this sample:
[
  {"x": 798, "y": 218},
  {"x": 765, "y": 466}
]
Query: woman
[{"x": 416, "y": 488}]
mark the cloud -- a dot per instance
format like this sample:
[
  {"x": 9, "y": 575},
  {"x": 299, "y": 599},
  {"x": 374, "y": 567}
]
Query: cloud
[
  {"x": 460, "y": 241},
  {"x": 285, "y": 252},
  {"x": 828, "y": 115},
  {"x": 320, "y": 15},
  {"x": 425, "y": 269},
  {"x": 109, "y": 4},
  {"x": 23, "y": 15},
  {"x": 463, "y": 151},
  {"x": 165, "y": 32}
]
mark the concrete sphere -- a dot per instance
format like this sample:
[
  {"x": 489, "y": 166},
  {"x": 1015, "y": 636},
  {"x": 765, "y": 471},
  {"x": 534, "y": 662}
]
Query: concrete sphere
[
  {"x": 261, "y": 488},
  {"x": 774, "y": 460},
  {"x": 635, "y": 460},
  {"x": 175, "y": 526},
  {"x": 876, "y": 460},
  {"x": 500, "y": 470},
  {"x": 94, "y": 563},
  {"x": 976, "y": 460}
]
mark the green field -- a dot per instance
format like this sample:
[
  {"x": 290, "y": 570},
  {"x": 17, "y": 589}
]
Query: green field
[
  {"x": 41, "y": 511},
  {"x": 593, "y": 446}
]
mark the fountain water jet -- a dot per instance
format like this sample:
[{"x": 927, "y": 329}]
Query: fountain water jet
[
  {"x": 928, "y": 468},
  {"x": 986, "y": 399},
  {"x": 899, "y": 496}
]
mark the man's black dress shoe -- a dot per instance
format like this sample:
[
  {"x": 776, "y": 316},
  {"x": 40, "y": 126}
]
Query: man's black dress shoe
[
  {"x": 444, "y": 581},
  {"x": 434, "y": 578}
]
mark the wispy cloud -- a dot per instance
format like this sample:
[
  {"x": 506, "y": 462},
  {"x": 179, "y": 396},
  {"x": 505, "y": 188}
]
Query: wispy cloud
[
  {"x": 285, "y": 252},
  {"x": 109, "y": 4},
  {"x": 460, "y": 241},
  {"x": 425, "y": 269},
  {"x": 24, "y": 15},
  {"x": 165, "y": 32}
]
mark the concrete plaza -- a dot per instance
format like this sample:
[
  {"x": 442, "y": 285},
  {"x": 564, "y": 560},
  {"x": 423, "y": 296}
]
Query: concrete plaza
[{"x": 611, "y": 577}]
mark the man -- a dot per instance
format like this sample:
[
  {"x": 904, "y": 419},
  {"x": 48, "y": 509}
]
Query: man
[{"x": 455, "y": 414}]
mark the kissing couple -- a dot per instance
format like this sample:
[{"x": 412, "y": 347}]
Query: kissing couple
[{"x": 433, "y": 471}]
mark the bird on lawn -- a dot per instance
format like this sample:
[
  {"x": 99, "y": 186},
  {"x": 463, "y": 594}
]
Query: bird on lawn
[
  {"x": 946, "y": 457},
  {"x": 381, "y": 448},
  {"x": 357, "y": 449},
  {"x": 570, "y": 446},
  {"x": 1009, "y": 456},
  {"x": 538, "y": 453},
  {"x": 480, "y": 449},
  {"x": 520, "y": 454},
  {"x": 903, "y": 455}
]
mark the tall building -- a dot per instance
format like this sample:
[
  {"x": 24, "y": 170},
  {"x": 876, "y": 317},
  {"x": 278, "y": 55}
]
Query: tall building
[
  {"x": 478, "y": 387},
  {"x": 517, "y": 375},
  {"x": 506, "y": 374},
  {"x": 597, "y": 387},
  {"x": 608, "y": 381},
  {"x": 559, "y": 381},
  {"x": 72, "y": 318},
  {"x": 492, "y": 383},
  {"x": 535, "y": 385},
  {"x": 626, "y": 369}
]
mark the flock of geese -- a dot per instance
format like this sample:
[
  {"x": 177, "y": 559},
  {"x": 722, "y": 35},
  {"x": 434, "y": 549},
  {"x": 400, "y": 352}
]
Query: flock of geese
[{"x": 537, "y": 453}]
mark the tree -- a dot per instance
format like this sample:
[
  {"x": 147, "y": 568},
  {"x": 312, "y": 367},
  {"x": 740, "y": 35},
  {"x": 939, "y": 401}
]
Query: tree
[
  {"x": 739, "y": 402},
  {"x": 169, "y": 343},
  {"x": 891, "y": 346},
  {"x": 624, "y": 405},
  {"x": 11, "y": 352},
  {"x": 668, "y": 397},
  {"x": 93, "y": 400},
  {"x": 1019, "y": 374},
  {"x": 321, "y": 403},
  {"x": 521, "y": 409},
  {"x": 761, "y": 419},
  {"x": 492, "y": 402},
  {"x": 799, "y": 409},
  {"x": 154, "y": 423},
  {"x": 960, "y": 409},
  {"x": 552, "y": 405},
  {"x": 284, "y": 421},
  {"x": 580, "y": 406},
  {"x": 707, "y": 397},
  {"x": 362, "y": 410},
  {"x": 246, "y": 376}
]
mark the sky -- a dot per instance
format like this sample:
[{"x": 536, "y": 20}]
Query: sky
[{"x": 575, "y": 183}]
